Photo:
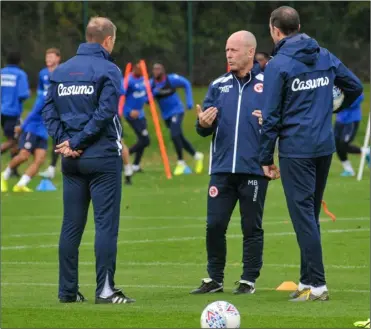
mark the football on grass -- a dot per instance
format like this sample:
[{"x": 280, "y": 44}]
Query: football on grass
[{"x": 220, "y": 314}]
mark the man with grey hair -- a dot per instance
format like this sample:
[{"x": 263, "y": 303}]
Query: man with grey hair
[
  {"x": 81, "y": 116},
  {"x": 230, "y": 115},
  {"x": 298, "y": 109}
]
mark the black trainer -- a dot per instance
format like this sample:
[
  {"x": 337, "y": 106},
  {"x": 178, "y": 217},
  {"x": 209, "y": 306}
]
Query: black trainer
[
  {"x": 208, "y": 286},
  {"x": 128, "y": 180},
  {"x": 79, "y": 299},
  {"x": 244, "y": 288},
  {"x": 118, "y": 297}
]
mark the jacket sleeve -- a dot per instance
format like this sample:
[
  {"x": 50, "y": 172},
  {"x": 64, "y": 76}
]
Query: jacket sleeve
[
  {"x": 123, "y": 91},
  {"x": 208, "y": 102},
  {"x": 180, "y": 82},
  {"x": 51, "y": 117},
  {"x": 23, "y": 87},
  {"x": 357, "y": 103},
  {"x": 39, "y": 102},
  {"x": 347, "y": 82},
  {"x": 40, "y": 87},
  {"x": 273, "y": 90},
  {"x": 105, "y": 112}
]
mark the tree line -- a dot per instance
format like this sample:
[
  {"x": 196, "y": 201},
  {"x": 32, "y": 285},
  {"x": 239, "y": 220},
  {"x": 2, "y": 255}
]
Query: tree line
[{"x": 158, "y": 31}]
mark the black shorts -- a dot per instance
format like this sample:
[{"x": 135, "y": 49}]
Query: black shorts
[
  {"x": 8, "y": 123},
  {"x": 345, "y": 132}
]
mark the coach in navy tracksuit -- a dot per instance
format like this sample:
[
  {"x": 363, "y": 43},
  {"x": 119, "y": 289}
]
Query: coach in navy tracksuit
[
  {"x": 236, "y": 175},
  {"x": 298, "y": 109},
  {"x": 81, "y": 116}
]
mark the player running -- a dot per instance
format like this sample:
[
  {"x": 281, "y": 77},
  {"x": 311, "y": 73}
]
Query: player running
[
  {"x": 345, "y": 130},
  {"x": 164, "y": 90},
  {"x": 33, "y": 134},
  {"x": 135, "y": 98},
  {"x": 14, "y": 91}
]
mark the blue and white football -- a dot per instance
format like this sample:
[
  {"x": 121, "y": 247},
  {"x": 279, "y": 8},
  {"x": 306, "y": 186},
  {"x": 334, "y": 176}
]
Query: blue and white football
[{"x": 338, "y": 98}]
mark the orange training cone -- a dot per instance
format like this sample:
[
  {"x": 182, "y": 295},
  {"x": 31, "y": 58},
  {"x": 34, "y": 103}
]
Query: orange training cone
[{"x": 287, "y": 286}]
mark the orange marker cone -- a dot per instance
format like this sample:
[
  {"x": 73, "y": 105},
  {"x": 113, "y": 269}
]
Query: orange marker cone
[
  {"x": 287, "y": 286},
  {"x": 156, "y": 120},
  {"x": 327, "y": 212},
  {"x": 126, "y": 81}
]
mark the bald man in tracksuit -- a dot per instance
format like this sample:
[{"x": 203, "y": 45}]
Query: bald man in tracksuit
[{"x": 235, "y": 172}]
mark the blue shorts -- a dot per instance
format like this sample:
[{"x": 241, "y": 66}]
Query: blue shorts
[
  {"x": 139, "y": 126},
  {"x": 31, "y": 142},
  {"x": 345, "y": 132},
  {"x": 174, "y": 123},
  {"x": 8, "y": 123}
]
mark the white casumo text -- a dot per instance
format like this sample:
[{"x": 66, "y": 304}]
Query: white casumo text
[
  {"x": 74, "y": 90},
  {"x": 309, "y": 84}
]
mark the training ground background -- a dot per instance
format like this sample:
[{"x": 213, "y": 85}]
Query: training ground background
[{"x": 162, "y": 256}]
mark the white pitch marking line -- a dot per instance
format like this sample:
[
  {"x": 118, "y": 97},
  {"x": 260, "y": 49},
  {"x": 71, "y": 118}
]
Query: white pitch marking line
[
  {"x": 185, "y": 264},
  {"x": 43, "y": 284},
  {"x": 33, "y": 217},
  {"x": 158, "y": 228},
  {"x": 176, "y": 239}
]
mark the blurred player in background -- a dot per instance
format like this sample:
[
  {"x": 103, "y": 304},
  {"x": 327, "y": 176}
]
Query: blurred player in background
[
  {"x": 135, "y": 98},
  {"x": 128, "y": 170},
  {"x": 33, "y": 134},
  {"x": 262, "y": 58},
  {"x": 52, "y": 60},
  {"x": 14, "y": 91},
  {"x": 164, "y": 90},
  {"x": 346, "y": 127}
]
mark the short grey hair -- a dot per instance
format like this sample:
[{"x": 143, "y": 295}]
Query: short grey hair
[{"x": 99, "y": 28}]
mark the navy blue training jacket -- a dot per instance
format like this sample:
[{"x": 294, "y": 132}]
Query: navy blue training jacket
[
  {"x": 236, "y": 132},
  {"x": 298, "y": 106},
  {"x": 82, "y": 103}
]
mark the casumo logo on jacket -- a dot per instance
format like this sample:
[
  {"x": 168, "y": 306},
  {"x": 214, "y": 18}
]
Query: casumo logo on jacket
[
  {"x": 74, "y": 90},
  {"x": 309, "y": 84}
]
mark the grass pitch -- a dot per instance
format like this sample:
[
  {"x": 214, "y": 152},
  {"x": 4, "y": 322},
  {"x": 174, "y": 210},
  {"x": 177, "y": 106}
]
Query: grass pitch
[{"x": 162, "y": 256}]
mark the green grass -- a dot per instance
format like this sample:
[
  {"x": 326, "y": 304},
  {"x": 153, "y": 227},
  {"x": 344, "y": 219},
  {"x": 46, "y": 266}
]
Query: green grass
[{"x": 162, "y": 253}]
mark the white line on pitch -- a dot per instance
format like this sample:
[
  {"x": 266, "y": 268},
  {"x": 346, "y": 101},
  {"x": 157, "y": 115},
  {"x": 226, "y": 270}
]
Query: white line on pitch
[
  {"x": 176, "y": 239},
  {"x": 33, "y": 217},
  {"x": 185, "y": 264},
  {"x": 149, "y": 286},
  {"x": 158, "y": 228}
]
